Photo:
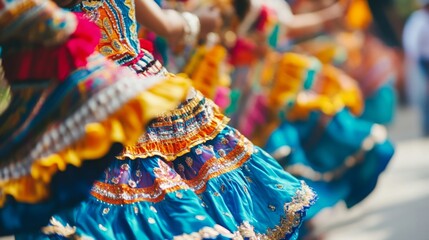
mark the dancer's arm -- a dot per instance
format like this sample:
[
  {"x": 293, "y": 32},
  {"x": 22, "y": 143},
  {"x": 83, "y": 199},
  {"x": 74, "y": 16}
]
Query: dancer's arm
[
  {"x": 172, "y": 24},
  {"x": 166, "y": 23},
  {"x": 308, "y": 23}
]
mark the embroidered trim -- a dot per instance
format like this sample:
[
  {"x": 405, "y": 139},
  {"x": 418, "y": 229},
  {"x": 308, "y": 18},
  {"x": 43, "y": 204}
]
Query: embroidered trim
[
  {"x": 175, "y": 133},
  {"x": 214, "y": 167},
  {"x": 117, "y": 22},
  {"x": 206, "y": 233},
  {"x": 124, "y": 194},
  {"x": 294, "y": 213},
  {"x": 377, "y": 135}
]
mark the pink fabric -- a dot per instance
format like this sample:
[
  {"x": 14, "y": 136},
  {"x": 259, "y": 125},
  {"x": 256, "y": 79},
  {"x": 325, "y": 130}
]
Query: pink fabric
[
  {"x": 255, "y": 115},
  {"x": 263, "y": 19},
  {"x": 243, "y": 52},
  {"x": 147, "y": 45},
  {"x": 222, "y": 97},
  {"x": 55, "y": 62}
]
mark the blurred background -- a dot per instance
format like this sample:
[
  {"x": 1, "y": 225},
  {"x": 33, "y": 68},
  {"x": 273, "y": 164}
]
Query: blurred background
[{"x": 399, "y": 206}]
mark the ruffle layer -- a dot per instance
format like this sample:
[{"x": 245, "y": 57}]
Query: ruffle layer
[
  {"x": 124, "y": 126},
  {"x": 69, "y": 56},
  {"x": 295, "y": 73},
  {"x": 340, "y": 87},
  {"x": 303, "y": 85},
  {"x": 377, "y": 135},
  {"x": 198, "y": 121}
]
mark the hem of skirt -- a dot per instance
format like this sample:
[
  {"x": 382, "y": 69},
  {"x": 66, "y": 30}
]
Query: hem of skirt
[
  {"x": 368, "y": 144},
  {"x": 295, "y": 211}
]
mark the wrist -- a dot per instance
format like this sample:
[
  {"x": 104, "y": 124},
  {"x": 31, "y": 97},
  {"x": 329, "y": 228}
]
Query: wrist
[{"x": 191, "y": 28}]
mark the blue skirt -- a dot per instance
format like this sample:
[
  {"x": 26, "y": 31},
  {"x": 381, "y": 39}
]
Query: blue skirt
[
  {"x": 189, "y": 176},
  {"x": 341, "y": 157}
]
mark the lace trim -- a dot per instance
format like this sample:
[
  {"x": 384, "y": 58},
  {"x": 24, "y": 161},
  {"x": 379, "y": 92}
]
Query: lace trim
[
  {"x": 289, "y": 223},
  {"x": 206, "y": 233},
  {"x": 294, "y": 213}
]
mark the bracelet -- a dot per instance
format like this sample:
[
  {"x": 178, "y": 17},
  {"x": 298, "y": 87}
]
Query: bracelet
[{"x": 192, "y": 27}]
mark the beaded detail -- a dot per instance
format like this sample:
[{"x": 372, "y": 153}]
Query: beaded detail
[
  {"x": 168, "y": 180},
  {"x": 177, "y": 131}
]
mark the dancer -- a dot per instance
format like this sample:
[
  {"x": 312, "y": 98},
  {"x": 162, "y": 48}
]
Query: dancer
[
  {"x": 190, "y": 171},
  {"x": 321, "y": 142},
  {"x": 69, "y": 105}
]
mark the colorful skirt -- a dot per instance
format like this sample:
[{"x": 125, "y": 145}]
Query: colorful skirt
[
  {"x": 190, "y": 176},
  {"x": 339, "y": 156},
  {"x": 51, "y": 129}
]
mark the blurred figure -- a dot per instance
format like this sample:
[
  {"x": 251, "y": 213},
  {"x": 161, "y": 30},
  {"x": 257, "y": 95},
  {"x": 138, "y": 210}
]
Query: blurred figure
[{"x": 416, "y": 38}]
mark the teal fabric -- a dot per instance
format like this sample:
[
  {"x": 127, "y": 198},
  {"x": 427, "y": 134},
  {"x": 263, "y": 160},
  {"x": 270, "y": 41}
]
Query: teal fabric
[
  {"x": 380, "y": 106},
  {"x": 326, "y": 149},
  {"x": 257, "y": 193}
]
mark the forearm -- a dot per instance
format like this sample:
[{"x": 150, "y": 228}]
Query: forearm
[
  {"x": 165, "y": 23},
  {"x": 308, "y": 23}
]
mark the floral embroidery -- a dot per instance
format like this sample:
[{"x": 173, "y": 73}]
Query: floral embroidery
[
  {"x": 165, "y": 173},
  {"x": 125, "y": 167},
  {"x": 119, "y": 43},
  {"x": 132, "y": 183},
  {"x": 106, "y": 211}
]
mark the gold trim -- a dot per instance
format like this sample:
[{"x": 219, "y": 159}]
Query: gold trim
[
  {"x": 171, "y": 147},
  {"x": 214, "y": 167},
  {"x": 294, "y": 213}
]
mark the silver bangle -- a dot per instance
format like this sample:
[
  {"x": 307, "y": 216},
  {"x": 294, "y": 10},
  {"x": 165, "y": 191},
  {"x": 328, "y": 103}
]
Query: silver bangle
[{"x": 192, "y": 27}]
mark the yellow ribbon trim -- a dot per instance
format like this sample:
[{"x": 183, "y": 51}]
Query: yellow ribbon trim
[{"x": 125, "y": 126}]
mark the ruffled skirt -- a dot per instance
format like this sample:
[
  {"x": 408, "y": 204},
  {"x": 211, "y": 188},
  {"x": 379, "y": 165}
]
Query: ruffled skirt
[
  {"x": 341, "y": 157},
  {"x": 52, "y": 128},
  {"x": 190, "y": 176}
]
